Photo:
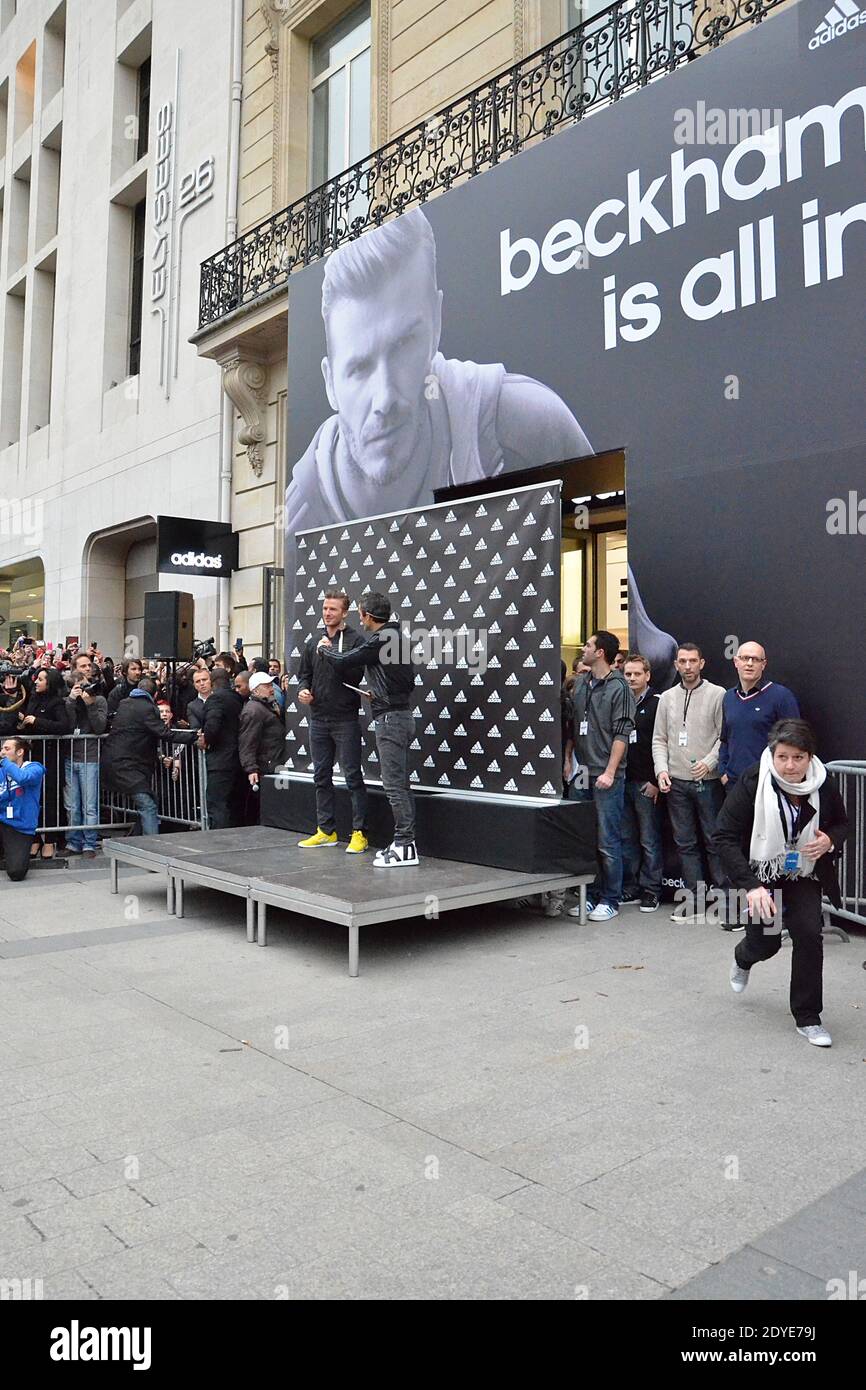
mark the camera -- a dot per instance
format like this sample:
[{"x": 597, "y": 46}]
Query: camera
[
  {"x": 205, "y": 648},
  {"x": 7, "y": 669}
]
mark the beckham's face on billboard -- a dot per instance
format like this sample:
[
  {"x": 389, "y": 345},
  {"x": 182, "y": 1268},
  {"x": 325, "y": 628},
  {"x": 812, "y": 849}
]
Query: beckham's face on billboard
[{"x": 380, "y": 354}]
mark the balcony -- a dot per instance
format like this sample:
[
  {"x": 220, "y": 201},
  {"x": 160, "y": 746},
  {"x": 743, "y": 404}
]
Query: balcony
[{"x": 606, "y": 58}]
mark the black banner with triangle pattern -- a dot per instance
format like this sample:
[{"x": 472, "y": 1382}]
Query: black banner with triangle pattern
[{"x": 476, "y": 583}]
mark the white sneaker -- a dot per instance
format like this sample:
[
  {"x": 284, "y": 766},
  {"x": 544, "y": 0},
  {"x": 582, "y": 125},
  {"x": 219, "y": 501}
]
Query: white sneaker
[
  {"x": 397, "y": 857},
  {"x": 602, "y": 913},
  {"x": 816, "y": 1033},
  {"x": 739, "y": 978},
  {"x": 689, "y": 919}
]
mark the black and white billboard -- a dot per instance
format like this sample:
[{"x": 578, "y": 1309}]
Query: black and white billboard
[
  {"x": 187, "y": 546},
  {"x": 681, "y": 276}
]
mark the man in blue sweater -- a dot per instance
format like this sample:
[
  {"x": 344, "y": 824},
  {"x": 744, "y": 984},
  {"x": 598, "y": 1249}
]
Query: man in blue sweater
[
  {"x": 20, "y": 795},
  {"x": 749, "y": 712}
]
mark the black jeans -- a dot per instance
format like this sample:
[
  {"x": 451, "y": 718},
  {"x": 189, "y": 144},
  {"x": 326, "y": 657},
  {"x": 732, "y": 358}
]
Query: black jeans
[
  {"x": 337, "y": 740},
  {"x": 801, "y": 915},
  {"x": 395, "y": 730},
  {"x": 16, "y": 852},
  {"x": 693, "y": 808}
]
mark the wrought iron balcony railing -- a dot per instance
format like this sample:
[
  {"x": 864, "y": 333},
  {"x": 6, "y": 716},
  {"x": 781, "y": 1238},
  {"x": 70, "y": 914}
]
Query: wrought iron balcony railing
[{"x": 605, "y": 58}]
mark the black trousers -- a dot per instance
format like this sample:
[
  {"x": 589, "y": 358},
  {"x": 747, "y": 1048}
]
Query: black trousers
[
  {"x": 801, "y": 916},
  {"x": 16, "y": 852},
  {"x": 222, "y": 785}
]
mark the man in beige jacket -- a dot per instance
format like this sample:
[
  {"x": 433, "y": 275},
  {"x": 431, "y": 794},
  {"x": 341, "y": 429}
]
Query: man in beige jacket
[{"x": 685, "y": 748}]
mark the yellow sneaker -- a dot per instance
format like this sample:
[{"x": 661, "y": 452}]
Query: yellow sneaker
[
  {"x": 318, "y": 840},
  {"x": 358, "y": 843}
]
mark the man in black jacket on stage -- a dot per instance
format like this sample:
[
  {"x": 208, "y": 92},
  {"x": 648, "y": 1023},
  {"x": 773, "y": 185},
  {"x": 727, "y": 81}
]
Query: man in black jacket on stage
[
  {"x": 385, "y": 659},
  {"x": 335, "y": 730}
]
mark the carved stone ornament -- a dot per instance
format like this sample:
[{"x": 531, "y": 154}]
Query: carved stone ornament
[
  {"x": 272, "y": 10},
  {"x": 243, "y": 383}
]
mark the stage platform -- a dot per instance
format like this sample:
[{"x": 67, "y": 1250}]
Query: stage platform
[{"x": 266, "y": 868}]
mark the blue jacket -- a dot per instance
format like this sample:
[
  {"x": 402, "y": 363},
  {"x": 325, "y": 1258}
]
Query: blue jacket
[
  {"x": 746, "y": 722},
  {"x": 20, "y": 794}
]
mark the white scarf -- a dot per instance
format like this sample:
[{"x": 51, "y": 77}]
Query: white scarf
[{"x": 769, "y": 842}]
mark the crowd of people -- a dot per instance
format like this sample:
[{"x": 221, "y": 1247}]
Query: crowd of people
[
  {"x": 753, "y": 816},
  {"x": 231, "y": 709},
  {"x": 751, "y": 812}
]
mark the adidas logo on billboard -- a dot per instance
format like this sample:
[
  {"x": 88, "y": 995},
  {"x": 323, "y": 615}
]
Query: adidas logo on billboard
[{"x": 840, "y": 19}]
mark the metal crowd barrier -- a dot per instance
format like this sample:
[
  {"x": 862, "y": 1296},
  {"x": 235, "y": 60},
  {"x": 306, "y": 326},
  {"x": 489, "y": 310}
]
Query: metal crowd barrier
[
  {"x": 179, "y": 789},
  {"x": 850, "y": 778}
]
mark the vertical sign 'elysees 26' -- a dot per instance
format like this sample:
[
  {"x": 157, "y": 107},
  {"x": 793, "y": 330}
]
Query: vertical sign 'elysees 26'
[{"x": 196, "y": 188}]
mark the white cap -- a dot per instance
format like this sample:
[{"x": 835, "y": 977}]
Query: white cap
[{"x": 260, "y": 679}]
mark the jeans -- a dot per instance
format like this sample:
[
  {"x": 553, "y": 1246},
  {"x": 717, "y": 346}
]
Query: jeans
[
  {"x": 337, "y": 740},
  {"x": 609, "y": 806},
  {"x": 81, "y": 798},
  {"x": 147, "y": 814},
  {"x": 693, "y": 808},
  {"x": 394, "y": 732},
  {"x": 801, "y": 914},
  {"x": 16, "y": 852},
  {"x": 641, "y": 840}
]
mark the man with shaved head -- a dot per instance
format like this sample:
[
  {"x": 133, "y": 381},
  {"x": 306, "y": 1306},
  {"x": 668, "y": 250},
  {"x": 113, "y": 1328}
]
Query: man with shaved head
[{"x": 749, "y": 712}]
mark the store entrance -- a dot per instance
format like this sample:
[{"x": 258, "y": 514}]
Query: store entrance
[
  {"x": 594, "y": 580},
  {"x": 594, "y": 556}
]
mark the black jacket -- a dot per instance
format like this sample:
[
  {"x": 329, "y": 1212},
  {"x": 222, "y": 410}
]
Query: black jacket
[
  {"x": 331, "y": 698},
  {"x": 640, "y": 767},
  {"x": 49, "y": 711},
  {"x": 129, "y": 753},
  {"x": 386, "y": 661},
  {"x": 121, "y": 691},
  {"x": 261, "y": 736},
  {"x": 733, "y": 833},
  {"x": 219, "y": 723}
]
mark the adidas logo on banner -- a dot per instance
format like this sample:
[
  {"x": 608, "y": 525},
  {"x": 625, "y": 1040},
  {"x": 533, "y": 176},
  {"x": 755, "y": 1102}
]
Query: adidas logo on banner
[{"x": 840, "y": 19}]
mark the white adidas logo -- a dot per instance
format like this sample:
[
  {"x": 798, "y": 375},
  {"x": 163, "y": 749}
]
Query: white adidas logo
[{"x": 840, "y": 19}]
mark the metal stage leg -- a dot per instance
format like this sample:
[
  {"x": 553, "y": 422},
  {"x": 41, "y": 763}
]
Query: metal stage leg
[
  {"x": 353, "y": 952},
  {"x": 112, "y": 875},
  {"x": 251, "y": 920},
  {"x": 169, "y": 894},
  {"x": 262, "y": 920},
  {"x": 582, "y": 917},
  {"x": 178, "y": 898}
]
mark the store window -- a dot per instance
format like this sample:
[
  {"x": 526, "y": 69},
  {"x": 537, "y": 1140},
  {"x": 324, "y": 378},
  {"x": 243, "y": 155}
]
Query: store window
[
  {"x": 341, "y": 96},
  {"x": 136, "y": 291},
  {"x": 143, "y": 104}
]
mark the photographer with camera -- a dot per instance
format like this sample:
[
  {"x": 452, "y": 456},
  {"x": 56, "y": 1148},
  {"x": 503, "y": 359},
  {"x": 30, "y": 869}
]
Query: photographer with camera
[
  {"x": 131, "y": 673},
  {"x": 20, "y": 793},
  {"x": 87, "y": 712},
  {"x": 13, "y": 697},
  {"x": 46, "y": 714}
]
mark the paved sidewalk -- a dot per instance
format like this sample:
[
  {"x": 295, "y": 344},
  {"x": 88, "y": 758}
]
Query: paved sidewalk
[{"x": 499, "y": 1107}]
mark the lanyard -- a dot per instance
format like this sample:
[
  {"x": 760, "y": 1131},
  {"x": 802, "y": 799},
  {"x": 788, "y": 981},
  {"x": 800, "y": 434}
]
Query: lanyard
[
  {"x": 687, "y": 701},
  {"x": 792, "y": 817},
  {"x": 590, "y": 691}
]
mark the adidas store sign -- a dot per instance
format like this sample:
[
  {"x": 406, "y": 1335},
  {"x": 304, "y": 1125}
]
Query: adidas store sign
[
  {"x": 200, "y": 561},
  {"x": 844, "y": 16}
]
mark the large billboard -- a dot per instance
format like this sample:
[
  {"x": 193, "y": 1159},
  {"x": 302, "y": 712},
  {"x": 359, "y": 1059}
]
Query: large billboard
[
  {"x": 478, "y": 606},
  {"x": 683, "y": 276}
]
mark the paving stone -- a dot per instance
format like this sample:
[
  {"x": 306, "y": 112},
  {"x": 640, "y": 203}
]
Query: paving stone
[
  {"x": 432, "y": 1132},
  {"x": 752, "y": 1275}
]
